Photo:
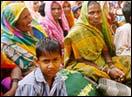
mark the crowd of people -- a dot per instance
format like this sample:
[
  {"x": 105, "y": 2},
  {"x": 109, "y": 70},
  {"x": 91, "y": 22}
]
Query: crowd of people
[{"x": 65, "y": 48}]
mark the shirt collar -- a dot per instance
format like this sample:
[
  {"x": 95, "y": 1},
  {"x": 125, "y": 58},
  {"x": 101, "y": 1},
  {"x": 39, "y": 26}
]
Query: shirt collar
[{"x": 39, "y": 76}]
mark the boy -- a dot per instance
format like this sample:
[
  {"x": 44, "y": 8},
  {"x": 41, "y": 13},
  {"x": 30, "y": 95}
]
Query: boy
[{"x": 44, "y": 80}]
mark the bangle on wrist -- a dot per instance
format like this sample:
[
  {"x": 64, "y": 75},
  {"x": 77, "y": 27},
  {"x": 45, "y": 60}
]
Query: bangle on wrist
[
  {"x": 108, "y": 71},
  {"x": 103, "y": 68}
]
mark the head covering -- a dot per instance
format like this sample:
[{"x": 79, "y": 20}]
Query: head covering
[
  {"x": 78, "y": 39},
  {"x": 54, "y": 30},
  {"x": 106, "y": 31},
  {"x": 75, "y": 8},
  {"x": 69, "y": 16},
  {"x": 5, "y": 3},
  {"x": 8, "y": 19},
  {"x": 11, "y": 35},
  {"x": 13, "y": 14},
  {"x": 35, "y": 14},
  {"x": 30, "y": 4}
]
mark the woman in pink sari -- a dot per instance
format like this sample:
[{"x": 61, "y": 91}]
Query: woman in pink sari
[{"x": 55, "y": 22}]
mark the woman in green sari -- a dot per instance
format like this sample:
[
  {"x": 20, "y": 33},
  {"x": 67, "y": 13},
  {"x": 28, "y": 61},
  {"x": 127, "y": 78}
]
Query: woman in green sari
[
  {"x": 88, "y": 47},
  {"x": 19, "y": 34}
]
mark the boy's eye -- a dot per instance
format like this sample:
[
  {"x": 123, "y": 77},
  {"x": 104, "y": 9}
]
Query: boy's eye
[
  {"x": 55, "y": 59},
  {"x": 46, "y": 61}
]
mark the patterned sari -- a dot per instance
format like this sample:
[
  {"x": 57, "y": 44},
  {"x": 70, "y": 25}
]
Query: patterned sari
[
  {"x": 53, "y": 28},
  {"x": 87, "y": 42},
  {"x": 18, "y": 48}
]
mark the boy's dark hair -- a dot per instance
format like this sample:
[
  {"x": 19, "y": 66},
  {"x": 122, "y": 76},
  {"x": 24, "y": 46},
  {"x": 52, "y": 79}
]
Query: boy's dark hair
[
  {"x": 127, "y": 11},
  {"x": 47, "y": 45}
]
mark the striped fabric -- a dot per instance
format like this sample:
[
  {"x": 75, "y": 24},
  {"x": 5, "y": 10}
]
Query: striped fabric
[
  {"x": 34, "y": 84},
  {"x": 18, "y": 47}
]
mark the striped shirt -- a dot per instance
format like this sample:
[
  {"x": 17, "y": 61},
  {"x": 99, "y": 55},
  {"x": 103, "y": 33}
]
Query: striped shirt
[{"x": 34, "y": 84}]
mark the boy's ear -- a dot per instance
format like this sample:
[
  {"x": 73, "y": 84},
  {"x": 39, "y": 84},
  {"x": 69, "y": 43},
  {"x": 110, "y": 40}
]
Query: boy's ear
[{"x": 36, "y": 62}]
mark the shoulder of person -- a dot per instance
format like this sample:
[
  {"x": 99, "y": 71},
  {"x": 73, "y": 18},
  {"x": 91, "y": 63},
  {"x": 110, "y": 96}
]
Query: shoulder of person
[
  {"x": 124, "y": 27},
  {"x": 28, "y": 79}
]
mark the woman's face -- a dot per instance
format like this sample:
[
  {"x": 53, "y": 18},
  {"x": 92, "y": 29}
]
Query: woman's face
[
  {"x": 24, "y": 21},
  {"x": 66, "y": 7},
  {"x": 94, "y": 14},
  {"x": 36, "y": 5},
  {"x": 56, "y": 10}
]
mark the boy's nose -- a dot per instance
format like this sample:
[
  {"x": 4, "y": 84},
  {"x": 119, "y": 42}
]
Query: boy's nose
[{"x": 51, "y": 65}]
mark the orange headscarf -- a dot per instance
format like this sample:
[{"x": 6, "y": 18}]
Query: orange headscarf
[{"x": 69, "y": 16}]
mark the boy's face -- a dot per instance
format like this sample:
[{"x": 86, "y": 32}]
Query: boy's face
[{"x": 50, "y": 64}]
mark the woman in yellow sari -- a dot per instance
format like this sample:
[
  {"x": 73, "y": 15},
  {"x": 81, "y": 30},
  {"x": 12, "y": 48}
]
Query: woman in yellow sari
[{"x": 88, "y": 46}]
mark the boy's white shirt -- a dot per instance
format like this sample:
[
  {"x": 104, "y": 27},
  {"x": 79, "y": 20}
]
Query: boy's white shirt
[{"x": 34, "y": 84}]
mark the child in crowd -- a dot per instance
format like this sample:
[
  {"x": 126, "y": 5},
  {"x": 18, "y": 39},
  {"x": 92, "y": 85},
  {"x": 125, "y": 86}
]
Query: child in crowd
[
  {"x": 76, "y": 11},
  {"x": 44, "y": 80}
]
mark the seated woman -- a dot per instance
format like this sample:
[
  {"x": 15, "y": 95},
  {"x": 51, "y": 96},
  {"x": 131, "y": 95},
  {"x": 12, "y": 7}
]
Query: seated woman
[
  {"x": 55, "y": 22},
  {"x": 19, "y": 35},
  {"x": 88, "y": 47}
]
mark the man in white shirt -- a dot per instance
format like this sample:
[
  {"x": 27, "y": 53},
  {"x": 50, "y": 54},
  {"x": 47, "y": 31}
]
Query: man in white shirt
[{"x": 122, "y": 38}]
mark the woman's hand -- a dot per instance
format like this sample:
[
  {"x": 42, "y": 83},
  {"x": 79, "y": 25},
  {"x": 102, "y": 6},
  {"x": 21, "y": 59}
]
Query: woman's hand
[
  {"x": 12, "y": 91},
  {"x": 16, "y": 73},
  {"x": 116, "y": 74},
  {"x": 9, "y": 93}
]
